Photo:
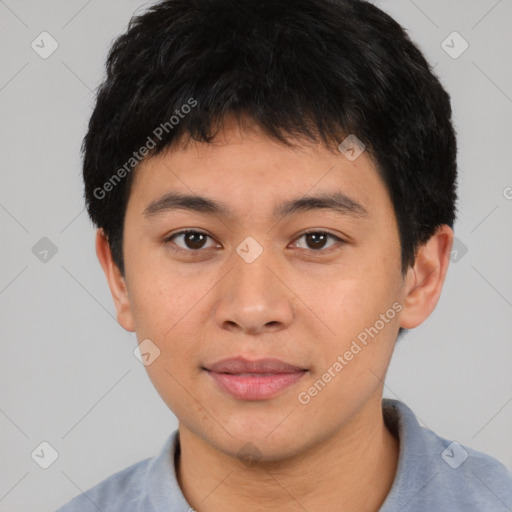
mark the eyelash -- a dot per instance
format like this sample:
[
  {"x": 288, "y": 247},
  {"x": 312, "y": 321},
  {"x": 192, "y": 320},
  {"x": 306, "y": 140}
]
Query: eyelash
[{"x": 169, "y": 239}]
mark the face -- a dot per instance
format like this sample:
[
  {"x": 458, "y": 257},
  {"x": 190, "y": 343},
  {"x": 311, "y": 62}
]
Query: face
[{"x": 266, "y": 274}]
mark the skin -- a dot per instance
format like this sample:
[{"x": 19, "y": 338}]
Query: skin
[{"x": 299, "y": 302}]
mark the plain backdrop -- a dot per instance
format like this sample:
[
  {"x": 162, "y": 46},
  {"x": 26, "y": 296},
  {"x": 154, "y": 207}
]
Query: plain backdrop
[{"x": 68, "y": 374}]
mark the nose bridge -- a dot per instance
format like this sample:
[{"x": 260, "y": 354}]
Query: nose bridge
[{"x": 252, "y": 297}]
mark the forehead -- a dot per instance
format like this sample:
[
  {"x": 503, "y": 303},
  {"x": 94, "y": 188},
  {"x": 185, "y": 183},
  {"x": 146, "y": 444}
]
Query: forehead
[{"x": 243, "y": 170}]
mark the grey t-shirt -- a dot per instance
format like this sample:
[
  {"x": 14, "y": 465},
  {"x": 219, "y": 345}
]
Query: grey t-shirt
[{"x": 433, "y": 475}]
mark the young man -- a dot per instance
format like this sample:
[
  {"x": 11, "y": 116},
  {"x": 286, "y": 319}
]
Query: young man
[{"x": 274, "y": 187}]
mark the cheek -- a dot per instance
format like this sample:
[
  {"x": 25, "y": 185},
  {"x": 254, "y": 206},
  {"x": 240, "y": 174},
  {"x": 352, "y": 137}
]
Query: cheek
[
  {"x": 352, "y": 362},
  {"x": 347, "y": 298},
  {"x": 170, "y": 309},
  {"x": 170, "y": 316},
  {"x": 161, "y": 296},
  {"x": 352, "y": 316},
  {"x": 155, "y": 308}
]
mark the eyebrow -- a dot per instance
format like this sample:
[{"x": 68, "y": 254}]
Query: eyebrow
[{"x": 335, "y": 201}]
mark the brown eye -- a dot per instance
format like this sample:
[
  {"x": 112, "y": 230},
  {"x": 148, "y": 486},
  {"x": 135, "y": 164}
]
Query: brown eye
[
  {"x": 316, "y": 240},
  {"x": 190, "y": 240}
]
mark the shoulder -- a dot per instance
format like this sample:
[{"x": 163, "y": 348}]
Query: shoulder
[
  {"x": 112, "y": 494},
  {"x": 469, "y": 478},
  {"x": 143, "y": 486},
  {"x": 438, "y": 474}
]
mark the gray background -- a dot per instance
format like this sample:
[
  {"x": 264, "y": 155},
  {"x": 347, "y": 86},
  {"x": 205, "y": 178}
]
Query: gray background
[{"x": 69, "y": 376}]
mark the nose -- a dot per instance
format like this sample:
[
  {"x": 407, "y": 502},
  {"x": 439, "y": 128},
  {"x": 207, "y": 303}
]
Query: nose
[{"x": 254, "y": 298}]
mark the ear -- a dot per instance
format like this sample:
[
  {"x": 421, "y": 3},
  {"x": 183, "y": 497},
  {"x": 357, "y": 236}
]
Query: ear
[
  {"x": 424, "y": 280},
  {"x": 116, "y": 282}
]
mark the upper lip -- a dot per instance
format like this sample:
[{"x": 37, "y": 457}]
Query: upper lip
[{"x": 236, "y": 365}]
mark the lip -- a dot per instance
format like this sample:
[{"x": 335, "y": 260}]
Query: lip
[{"x": 254, "y": 380}]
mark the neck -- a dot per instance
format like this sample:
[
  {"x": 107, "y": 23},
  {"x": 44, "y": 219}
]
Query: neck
[{"x": 353, "y": 469}]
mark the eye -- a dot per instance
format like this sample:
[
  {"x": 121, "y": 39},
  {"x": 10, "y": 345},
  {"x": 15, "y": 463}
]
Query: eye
[
  {"x": 316, "y": 240},
  {"x": 193, "y": 240}
]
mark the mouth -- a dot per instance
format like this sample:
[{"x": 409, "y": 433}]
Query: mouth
[{"x": 254, "y": 380}]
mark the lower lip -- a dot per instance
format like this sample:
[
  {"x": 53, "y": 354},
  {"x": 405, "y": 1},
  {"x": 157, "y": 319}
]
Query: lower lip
[{"x": 255, "y": 387}]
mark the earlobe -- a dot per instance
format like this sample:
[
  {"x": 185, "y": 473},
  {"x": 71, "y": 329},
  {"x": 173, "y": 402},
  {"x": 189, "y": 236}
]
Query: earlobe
[
  {"x": 424, "y": 281},
  {"x": 116, "y": 282}
]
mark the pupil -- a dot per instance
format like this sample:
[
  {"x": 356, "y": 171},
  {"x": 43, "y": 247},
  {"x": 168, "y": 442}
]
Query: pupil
[
  {"x": 318, "y": 240},
  {"x": 194, "y": 244}
]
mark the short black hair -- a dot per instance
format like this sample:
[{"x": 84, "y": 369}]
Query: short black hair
[{"x": 315, "y": 70}]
